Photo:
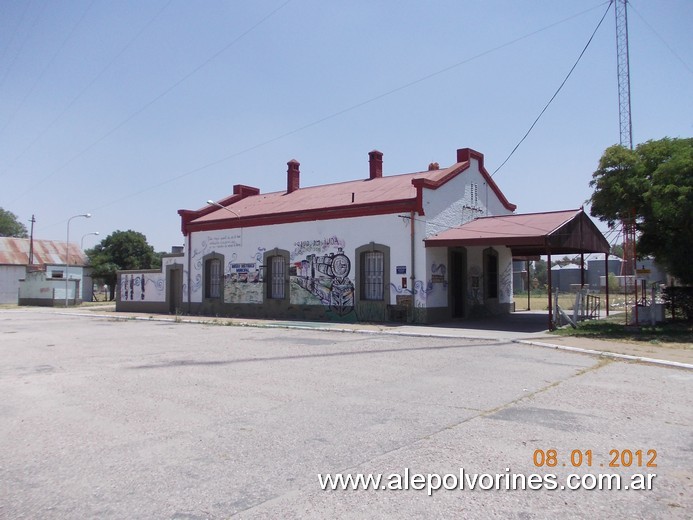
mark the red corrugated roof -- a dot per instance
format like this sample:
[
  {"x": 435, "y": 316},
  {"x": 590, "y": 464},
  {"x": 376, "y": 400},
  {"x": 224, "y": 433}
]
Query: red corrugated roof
[
  {"x": 561, "y": 232},
  {"x": 15, "y": 251},
  {"x": 328, "y": 196},
  {"x": 381, "y": 195}
]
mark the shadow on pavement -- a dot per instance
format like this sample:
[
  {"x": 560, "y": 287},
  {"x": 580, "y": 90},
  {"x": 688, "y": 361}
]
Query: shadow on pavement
[{"x": 524, "y": 322}]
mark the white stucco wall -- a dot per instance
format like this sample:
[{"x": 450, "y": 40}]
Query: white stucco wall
[
  {"x": 132, "y": 283},
  {"x": 145, "y": 286},
  {"x": 462, "y": 199},
  {"x": 437, "y": 277},
  {"x": 475, "y": 267},
  {"x": 38, "y": 286},
  {"x": 244, "y": 250},
  {"x": 9, "y": 282}
]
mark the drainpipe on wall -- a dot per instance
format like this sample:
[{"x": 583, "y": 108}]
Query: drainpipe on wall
[
  {"x": 189, "y": 267},
  {"x": 548, "y": 268},
  {"x": 606, "y": 281},
  {"x": 413, "y": 265}
]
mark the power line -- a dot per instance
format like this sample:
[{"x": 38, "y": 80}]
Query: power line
[
  {"x": 557, "y": 91},
  {"x": 21, "y": 44},
  {"x": 150, "y": 102},
  {"x": 86, "y": 88},
  {"x": 347, "y": 109},
  {"x": 48, "y": 65},
  {"x": 671, "y": 49},
  {"x": 11, "y": 41}
]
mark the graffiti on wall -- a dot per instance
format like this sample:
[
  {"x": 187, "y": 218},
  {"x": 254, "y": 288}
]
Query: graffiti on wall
[
  {"x": 475, "y": 294},
  {"x": 323, "y": 279},
  {"x": 225, "y": 241},
  {"x": 243, "y": 282},
  {"x": 438, "y": 272},
  {"x": 209, "y": 245},
  {"x": 505, "y": 284},
  {"x": 139, "y": 287},
  {"x": 306, "y": 247},
  {"x": 319, "y": 272},
  {"x": 422, "y": 290}
]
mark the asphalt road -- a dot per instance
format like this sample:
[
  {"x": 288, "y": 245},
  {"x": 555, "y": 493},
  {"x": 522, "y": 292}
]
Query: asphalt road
[{"x": 104, "y": 418}]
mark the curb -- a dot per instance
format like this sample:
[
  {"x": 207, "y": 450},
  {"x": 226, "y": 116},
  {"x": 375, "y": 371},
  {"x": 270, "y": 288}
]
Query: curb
[
  {"x": 293, "y": 327},
  {"x": 603, "y": 353},
  {"x": 577, "y": 350}
]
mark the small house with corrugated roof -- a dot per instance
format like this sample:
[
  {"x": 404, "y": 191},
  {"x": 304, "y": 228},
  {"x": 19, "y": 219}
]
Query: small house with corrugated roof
[{"x": 47, "y": 260}]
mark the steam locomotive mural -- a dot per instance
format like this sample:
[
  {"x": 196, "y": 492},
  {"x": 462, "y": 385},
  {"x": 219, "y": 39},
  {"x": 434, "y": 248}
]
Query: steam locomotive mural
[{"x": 327, "y": 278}]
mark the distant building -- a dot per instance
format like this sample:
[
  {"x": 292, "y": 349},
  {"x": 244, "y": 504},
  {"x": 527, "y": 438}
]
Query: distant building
[{"x": 48, "y": 260}]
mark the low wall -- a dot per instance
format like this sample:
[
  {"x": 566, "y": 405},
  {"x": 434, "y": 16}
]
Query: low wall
[{"x": 38, "y": 290}]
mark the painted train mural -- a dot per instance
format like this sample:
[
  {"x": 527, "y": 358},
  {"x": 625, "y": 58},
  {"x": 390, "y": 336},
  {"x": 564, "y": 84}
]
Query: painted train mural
[
  {"x": 319, "y": 278},
  {"x": 327, "y": 278}
]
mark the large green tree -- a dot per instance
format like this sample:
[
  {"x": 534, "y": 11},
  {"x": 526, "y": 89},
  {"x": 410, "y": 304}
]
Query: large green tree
[
  {"x": 653, "y": 183},
  {"x": 121, "y": 250},
  {"x": 10, "y": 226}
]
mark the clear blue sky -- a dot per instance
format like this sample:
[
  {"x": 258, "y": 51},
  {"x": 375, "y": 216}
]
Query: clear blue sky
[{"x": 132, "y": 110}]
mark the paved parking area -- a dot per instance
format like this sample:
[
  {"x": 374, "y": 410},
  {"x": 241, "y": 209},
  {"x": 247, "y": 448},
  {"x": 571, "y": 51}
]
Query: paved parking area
[{"x": 105, "y": 418}]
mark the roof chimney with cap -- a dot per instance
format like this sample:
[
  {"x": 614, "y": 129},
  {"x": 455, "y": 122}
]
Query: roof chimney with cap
[
  {"x": 292, "y": 176},
  {"x": 375, "y": 160}
]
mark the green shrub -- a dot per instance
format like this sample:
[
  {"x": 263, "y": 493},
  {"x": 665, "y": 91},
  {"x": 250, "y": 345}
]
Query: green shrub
[{"x": 679, "y": 302}]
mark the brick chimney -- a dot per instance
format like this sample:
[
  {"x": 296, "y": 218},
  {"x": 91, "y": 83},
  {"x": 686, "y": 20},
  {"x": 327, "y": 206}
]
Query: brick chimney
[
  {"x": 293, "y": 176},
  {"x": 375, "y": 160}
]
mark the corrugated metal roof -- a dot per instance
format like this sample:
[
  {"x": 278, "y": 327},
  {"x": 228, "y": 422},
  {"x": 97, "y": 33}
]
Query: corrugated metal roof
[
  {"x": 350, "y": 196},
  {"x": 529, "y": 234},
  {"x": 15, "y": 251},
  {"x": 362, "y": 191}
]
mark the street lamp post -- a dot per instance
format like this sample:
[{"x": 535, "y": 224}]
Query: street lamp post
[
  {"x": 81, "y": 243},
  {"x": 67, "y": 253},
  {"x": 212, "y": 203},
  {"x": 237, "y": 215}
]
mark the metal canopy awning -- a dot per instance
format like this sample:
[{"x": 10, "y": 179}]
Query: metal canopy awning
[{"x": 531, "y": 235}]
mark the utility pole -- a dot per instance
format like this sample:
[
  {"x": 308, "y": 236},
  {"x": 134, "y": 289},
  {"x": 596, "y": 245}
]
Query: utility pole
[{"x": 31, "y": 241}]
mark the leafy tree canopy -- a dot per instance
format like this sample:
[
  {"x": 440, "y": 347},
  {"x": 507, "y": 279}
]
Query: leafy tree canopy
[
  {"x": 540, "y": 272},
  {"x": 10, "y": 226},
  {"x": 121, "y": 250},
  {"x": 653, "y": 183},
  {"x": 617, "y": 250}
]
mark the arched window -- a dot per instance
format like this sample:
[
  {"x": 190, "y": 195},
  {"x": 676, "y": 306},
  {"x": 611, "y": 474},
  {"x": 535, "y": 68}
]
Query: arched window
[
  {"x": 214, "y": 276},
  {"x": 373, "y": 272},
  {"x": 277, "y": 276},
  {"x": 372, "y": 275}
]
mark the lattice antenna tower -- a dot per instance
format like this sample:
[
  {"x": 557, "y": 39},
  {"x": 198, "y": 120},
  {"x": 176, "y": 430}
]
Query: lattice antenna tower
[
  {"x": 623, "y": 70},
  {"x": 626, "y": 128}
]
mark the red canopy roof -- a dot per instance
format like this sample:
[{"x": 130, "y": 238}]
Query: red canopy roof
[{"x": 531, "y": 234}]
